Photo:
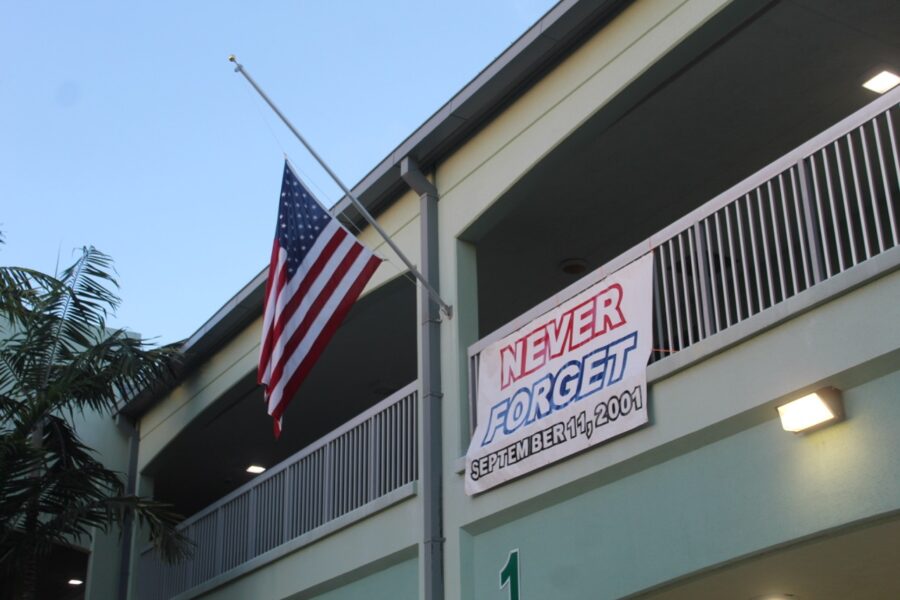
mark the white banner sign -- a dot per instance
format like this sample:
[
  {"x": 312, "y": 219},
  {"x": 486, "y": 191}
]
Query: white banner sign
[{"x": 571, "y": 379}]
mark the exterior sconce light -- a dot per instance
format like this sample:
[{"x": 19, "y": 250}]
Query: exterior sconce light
[
  {"x": 813, "y": 411},
  {"x": 255, "y": 469}
]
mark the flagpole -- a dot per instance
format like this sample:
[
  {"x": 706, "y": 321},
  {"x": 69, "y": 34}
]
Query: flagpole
[{"x": 448, "y": 310}]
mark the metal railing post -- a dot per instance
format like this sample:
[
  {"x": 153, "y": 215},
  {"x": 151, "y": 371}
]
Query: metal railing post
[
  {"x": 327, "y": 484},
  {"x": 251, "y": 523},
  {"x": 705, "y": 284},
  {"x": 220, "y": 542},
  {"x": 287, "y": 507},
  {"x": 812, "y": 237},
  {"x": 370, "y": 460}
]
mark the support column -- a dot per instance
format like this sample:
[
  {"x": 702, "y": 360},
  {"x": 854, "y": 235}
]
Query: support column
[
  {"x": 125, "y": 560},
  {"x": 431, "y": 474}
]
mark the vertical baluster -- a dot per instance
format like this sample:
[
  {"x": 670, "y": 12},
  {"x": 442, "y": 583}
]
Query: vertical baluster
[
  {"x": 776, "y": 232},
  {"x": 685, "y": 291},
  {"x": 219, "y": 541},
  {"x": 352, "y": 479},
  {"x": 871, "y": 180},
  {"x": 401, "y": 447},
  {"x": 413, "y": 437},
  {"x": 724, "y": 286},
  {"x": 359, "y": 466},
  {"x": 657, "y": 306},
  {"x": 344, "y": 475},
  {"x": 398, "y": 448},
  {"x": 836, "y": 228},
  {"x": 347, "y": 475},
  {"x": 328, "y": 500},
  {"x": 884, "y": 180},
  {"x": 845, "y": 196},
  {"x": 388, "y": 446},
  {"x": 670, "y": 340},
  {"x": 406, "y": 444},
  {"x": 407, "y": 435},
  {"x": 288, "y": 507},
  {"x": 713, "y": 285},
  {"x": 756, "y": 270},
  {"x": 765, "y": 243},
  {"x": 744, "y": 262},
  {"x": 370, "y": 459},
  {"x": 815, "y": 246},
  {"x": 826, "y": 253},
  {"x": 797, "y": 172},
  {"x": 857, "y": 187},
  {"x": 415, "y": 433},
  {"x": 895, "y": 155},
  {"x": 675, "y": 300},
  {"x": 252, "y": 521},
  {"x": 379, "y": 458},
  {"x": 395, "y": 451},
  {"x": 310, "y": 505},
  {"x": 787, "y": 231}
]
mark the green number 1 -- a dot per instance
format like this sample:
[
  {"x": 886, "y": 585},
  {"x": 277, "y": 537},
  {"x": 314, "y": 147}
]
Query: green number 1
[{"x": 510, "y": 574}]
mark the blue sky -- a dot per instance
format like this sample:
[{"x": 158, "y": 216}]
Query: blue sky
[{"x": 122, "y": 125}]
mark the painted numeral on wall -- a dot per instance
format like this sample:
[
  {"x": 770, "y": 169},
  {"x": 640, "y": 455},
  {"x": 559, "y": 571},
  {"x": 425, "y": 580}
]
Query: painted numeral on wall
[{"x": 509, "y": 574}]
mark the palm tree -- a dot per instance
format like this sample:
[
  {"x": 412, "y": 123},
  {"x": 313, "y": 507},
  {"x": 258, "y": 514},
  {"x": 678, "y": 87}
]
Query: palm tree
[{"x": 59, "y": 359}]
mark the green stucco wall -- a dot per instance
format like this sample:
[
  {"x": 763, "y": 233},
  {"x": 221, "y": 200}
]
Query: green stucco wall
[
  {"x": 398, "y": 582},
  {"x": 745, "y": 493},
  {"x": 111, "y": 443}
]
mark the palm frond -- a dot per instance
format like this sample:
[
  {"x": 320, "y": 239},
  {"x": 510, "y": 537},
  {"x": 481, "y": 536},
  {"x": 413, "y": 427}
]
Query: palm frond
[
  {"x": 22, "y": 292},
  {"x": 57, "y": 357}
]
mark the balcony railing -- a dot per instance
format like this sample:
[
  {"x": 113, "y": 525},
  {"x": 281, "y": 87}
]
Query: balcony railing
[
  {"x": 364, "y": 460},
  {"x": 822, "y": 209}
]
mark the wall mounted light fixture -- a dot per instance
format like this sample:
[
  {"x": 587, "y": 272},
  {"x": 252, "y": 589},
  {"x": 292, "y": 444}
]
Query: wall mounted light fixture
[{"x": 813, "y": 411}]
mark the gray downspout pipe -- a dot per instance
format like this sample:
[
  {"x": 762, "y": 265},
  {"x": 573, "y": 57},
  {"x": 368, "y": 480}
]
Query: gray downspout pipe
[{"x": 432, "y": 460}]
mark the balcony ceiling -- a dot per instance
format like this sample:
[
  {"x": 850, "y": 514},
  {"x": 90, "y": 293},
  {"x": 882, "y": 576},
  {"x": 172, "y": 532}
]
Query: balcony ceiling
[
  {"x": 788, "y": 74},
  {"x": 372, "y": 355}
]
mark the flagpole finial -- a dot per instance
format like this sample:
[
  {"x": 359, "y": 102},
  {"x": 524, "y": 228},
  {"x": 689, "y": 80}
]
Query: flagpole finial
[{"x": 232, "y": 58}]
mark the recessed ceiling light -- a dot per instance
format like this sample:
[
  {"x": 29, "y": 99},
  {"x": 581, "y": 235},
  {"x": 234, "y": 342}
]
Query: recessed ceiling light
[
  {"x": 812, "y": 410},
  {"x": 255, "y": 469},
  {"x": 882, "y": 82},
  {"x": 75, "y": 582}
]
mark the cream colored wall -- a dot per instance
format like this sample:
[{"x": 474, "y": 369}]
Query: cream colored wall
[{"x": 401, "y": 222}]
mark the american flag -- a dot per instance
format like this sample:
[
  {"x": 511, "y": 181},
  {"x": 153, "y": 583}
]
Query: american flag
[{"x": 317, "y": 271}]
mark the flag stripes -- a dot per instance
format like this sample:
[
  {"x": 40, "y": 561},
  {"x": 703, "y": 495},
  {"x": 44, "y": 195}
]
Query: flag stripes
[{"x": 317, "y": 271}]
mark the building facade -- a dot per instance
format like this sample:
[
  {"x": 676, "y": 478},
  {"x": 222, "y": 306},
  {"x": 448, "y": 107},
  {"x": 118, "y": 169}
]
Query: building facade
[{"x": 731, "y": 141}]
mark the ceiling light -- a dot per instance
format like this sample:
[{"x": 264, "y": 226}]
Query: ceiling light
[
  {"x": 255, "y": 469},
  {"x": 882, "y": 82},
  {"x": 75, "y": 582},
  {"x": 812, "y": 411}
]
